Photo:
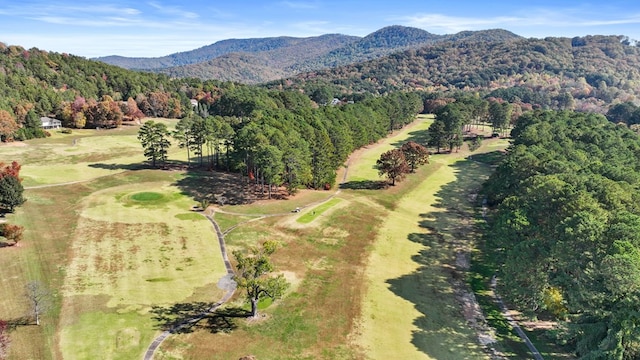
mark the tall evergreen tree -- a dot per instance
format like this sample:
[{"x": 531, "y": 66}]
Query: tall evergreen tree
[{"x": 154, "y": 138}]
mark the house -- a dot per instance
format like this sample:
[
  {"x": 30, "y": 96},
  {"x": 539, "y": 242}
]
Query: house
[{"x": 49, "y": 123}]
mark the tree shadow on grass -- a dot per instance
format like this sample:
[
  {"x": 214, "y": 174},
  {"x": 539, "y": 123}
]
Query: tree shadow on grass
[
  {"x": 365, "y": 185},
  {"x": 4, "y": 244},
  {"x": 119, "y": 166},
  {"x": 196, "y": 316},
  {"x": 421, "y": 137},
  {"x": 443, "y": 333},
  {"x": 490, "y": 158},
  {"x": 213, "y": 186},
  {"x": 13, "y": 324},
  {"x": 169, "y": 165}
]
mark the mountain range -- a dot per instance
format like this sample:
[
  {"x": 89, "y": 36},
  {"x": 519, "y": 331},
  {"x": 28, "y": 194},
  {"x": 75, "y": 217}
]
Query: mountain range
[{"x": 261, "y": 60}]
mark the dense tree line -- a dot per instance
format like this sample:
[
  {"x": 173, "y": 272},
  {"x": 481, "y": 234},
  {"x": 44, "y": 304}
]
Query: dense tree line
[
  {"x": 280, "y": 137},
  {"x": 455, "y": 117},
  {"x": 566, "y": 228},
  {"x": 627, "y": 113}
]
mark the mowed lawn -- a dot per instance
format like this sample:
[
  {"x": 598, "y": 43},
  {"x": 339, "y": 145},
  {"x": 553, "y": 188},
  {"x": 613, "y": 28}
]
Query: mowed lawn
[
  {"x": 410, "y": 311},
  {"x": 109, "y": 240},
  {"x": 371, "y": 275},
  {"x": 133, "y": 249},
  {"x": 362, "y": 167},
  {"x": 80, "y": 156}
]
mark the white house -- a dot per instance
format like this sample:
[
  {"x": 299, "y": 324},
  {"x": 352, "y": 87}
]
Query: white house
[{"x": 49, "y": 123}]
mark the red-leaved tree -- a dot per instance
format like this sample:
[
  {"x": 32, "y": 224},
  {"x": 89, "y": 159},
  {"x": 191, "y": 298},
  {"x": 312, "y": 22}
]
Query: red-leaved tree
[
  {"x": 11, "y": 189},
  {"x": 415, "y": 154},
  {"x": 8, "y": 126},
  {"x": 392, "y": 164}
]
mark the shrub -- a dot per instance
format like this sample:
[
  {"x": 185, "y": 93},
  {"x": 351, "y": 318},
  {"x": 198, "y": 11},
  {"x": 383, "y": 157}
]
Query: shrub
[{"x": 12, "y": 232}]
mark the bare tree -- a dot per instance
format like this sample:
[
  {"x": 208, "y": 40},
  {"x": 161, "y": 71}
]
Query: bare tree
[{"x": 39, "y": 299}]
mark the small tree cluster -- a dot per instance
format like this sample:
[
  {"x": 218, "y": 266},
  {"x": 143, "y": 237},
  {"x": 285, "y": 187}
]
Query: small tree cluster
[
  {"x": 396, "y": 163},
  {"x": 475, "y": 143},
  {"x": 154, "y": 138},
  {"x": 12, "y": 232}
]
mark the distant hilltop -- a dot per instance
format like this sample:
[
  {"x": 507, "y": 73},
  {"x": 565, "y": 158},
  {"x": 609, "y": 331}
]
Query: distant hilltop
[{"x": 264, "y": 59}]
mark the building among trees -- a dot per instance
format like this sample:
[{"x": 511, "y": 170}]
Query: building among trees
[{"x": 49, "y": 123}]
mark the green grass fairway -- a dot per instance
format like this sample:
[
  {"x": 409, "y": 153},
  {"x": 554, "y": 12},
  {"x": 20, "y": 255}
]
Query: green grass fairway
[
  {"x": 409, "y": 310},
  {"x": 363, "y": 168},
  {"x": 316, "y": 211},
  {"x": 108, "y": 242},
  {"x": 119, "y": 248},
  {"x": 133, "y": 249},
  {"x": 81, "y": 156},
  {"x": 111, "y": 336}
]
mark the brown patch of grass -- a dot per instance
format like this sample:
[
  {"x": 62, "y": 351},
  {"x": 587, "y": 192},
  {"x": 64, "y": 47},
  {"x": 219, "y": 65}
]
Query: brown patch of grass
[{"x": 315, "y": 320}]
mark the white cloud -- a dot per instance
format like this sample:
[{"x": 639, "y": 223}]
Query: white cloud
[
  {"x": 173, "y": 11},
  {"x": 300, "y": 5},
  {"x": 538, "y": 18},
  {"x": 449, "y": 24}
]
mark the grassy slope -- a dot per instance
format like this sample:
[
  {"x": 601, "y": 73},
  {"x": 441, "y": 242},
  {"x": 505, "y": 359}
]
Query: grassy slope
[
  {"x": 409, "y": 311},
  {"x": 90, "y": 263}
]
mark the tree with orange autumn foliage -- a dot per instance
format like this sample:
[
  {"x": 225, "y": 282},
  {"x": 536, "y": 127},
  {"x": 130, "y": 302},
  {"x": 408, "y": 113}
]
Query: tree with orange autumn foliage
[
  {"x": 11, "y": 188},
  {"x": 12, "y": 232},
  {"x": 8, "y": 126}
]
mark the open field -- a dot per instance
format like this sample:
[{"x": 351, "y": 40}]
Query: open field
[
  {"x": 372, "y": 268},
  {"x": 410, "y": 311},
  {"x": 106, "y": 251},
  {"x": 80, "y": 156}
]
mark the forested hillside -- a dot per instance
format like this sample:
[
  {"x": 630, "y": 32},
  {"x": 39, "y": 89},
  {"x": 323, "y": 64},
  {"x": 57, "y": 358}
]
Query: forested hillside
[
  {"x": 585, "y": 73},
  {"x": 254, "y": 67},
  {"x": 82, "y": 93},
  {"x": 285, "y": 45},
  {"x": 393, "y": 39},
  {"x": 283, "y": 132},
  {"x": 255, "y": 61},
  {"x": 566, "y": 228}
]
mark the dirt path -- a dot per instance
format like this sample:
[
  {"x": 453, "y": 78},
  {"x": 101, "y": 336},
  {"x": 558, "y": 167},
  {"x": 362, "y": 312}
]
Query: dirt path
[
  {"x": 505, "y": 312},
  {"x": 226, "y": 283}
]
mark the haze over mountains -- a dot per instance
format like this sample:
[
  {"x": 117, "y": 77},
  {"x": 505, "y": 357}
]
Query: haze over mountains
[{"x": 264, "y": 59}]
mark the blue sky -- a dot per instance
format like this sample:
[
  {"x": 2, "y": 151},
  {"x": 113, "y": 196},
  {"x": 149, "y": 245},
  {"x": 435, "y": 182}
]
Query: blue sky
[{"x": 161, "y": 27}]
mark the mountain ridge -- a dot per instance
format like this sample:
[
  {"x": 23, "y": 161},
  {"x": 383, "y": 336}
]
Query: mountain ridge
[
  {"x": 268, "y": 59},
  {"x": 220, "y": 48}
]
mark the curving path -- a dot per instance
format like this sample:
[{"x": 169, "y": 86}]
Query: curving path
[
  {"x": 226, "y": 283},
  {"x": 505, "y": 312},
  {"x": 503, "y": 308}
]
